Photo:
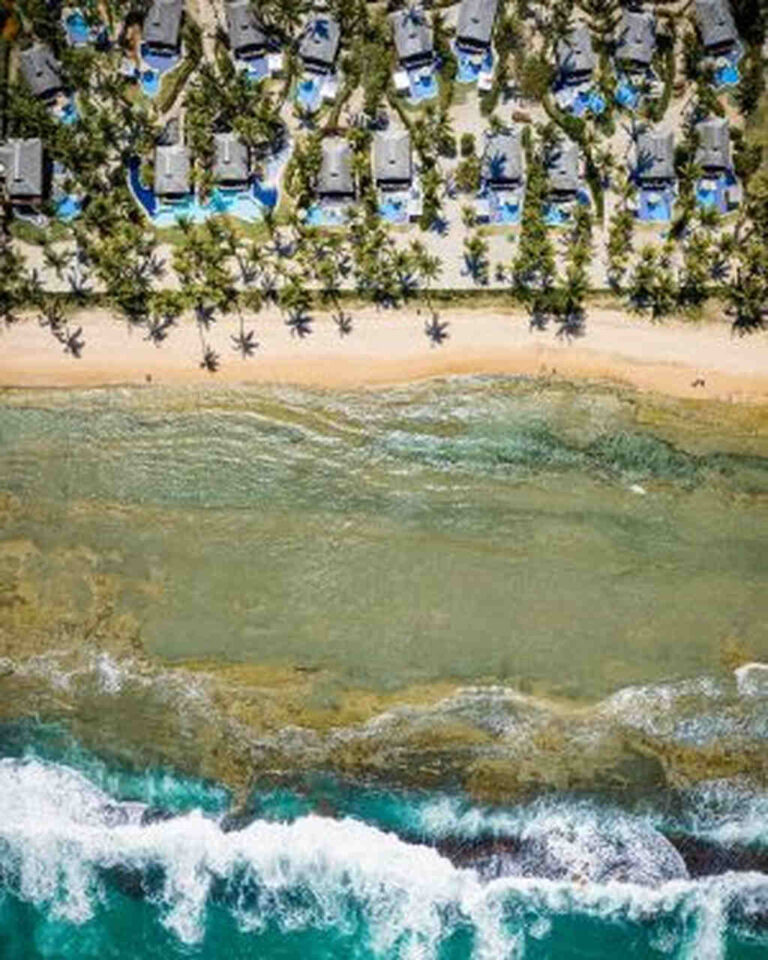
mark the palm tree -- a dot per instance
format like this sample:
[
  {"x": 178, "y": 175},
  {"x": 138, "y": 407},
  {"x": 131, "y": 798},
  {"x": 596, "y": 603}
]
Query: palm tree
[{"x": 436, "y": 331}]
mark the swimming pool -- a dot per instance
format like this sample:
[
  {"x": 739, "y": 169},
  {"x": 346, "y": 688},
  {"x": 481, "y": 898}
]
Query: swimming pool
[
  {"x": 68, "y": 113},
  {"x": 504, "y": 206},
  {"x": 555, "y": 216},
  {"x": 727, "y": 76},
  {"x": 423, "y": 85},
  {"x": 68, "y": 207},
  {"x": 394, "y": 209},
  {"x": 588, "y": 101},
  {"x": 326, "y": 215},
  {"x": 244, "y": 203},
  {"x": 255, "y": 67},
  {"x": 626, "y": 95},
  {"x": 309, "y": 92},
  {"x": 655, "y": 206},
  {"x": 78, "y": 30},
  {"x": 471, "y": 65},
  {"x": 150, "y": 82}
]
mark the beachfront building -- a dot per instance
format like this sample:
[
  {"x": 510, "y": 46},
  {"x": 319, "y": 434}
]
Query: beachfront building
[
  {"x": 231, "y": 161},
  {"x": 161, "y": 34},
  {"x": 634, "y": 47},
  {"x": 635, "y": 41},
  {"x": 172, "y": 181},
  {"x": 399, "y": 198},
  {"x": 502, "y": 178},
  {"x": 718, "y": 187},
  {"x": 473, "y": 42},
  {"x": 41, "y": 71},
  {"x": 247, "y": 38},
  {"x": 565, "y": 178},
  {"x": 335, "y": 187},
  {"x": 717, "y": 28},
  {"x": 414, "y": 42},
  {"x": 654, "y": 175},
  {"x": 575, "y": 59},
  {"x": 318, "y": 50},
  {"x": 720, "y": 39},
  {"x": 251, "y": 46},
  {"x": 22, "y": 170},
  {"x": 575, "y": 66}
]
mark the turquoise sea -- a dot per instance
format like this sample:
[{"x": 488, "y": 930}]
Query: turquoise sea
[{"x": 466, "y": 669}]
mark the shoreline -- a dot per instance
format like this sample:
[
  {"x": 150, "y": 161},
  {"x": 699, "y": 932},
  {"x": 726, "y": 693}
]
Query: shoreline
[{"x": 685, "y": 360}]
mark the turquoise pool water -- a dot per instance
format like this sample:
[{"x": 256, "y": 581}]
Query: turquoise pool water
[
  {"x": 394, "y": 209},
  {"x": 590, "y": 101},
  {"x": 423, "y": 85},
  {"x": 78, "y": 30},
  {"x": 727, "y": 76},
  {"x": 150, "y": 82},
  {"x": 555, "y": 216},
  {"x": 309, "y": 92},
  {"x": 470, "y": 65},
  {"x": 627, "y": 95},
  {"x": 68, "y": 207},
  {"x": 655, "y": 206}
]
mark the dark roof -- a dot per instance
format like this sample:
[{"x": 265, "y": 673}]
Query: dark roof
[
  {"x": 245, "y": 31},
  {"x": 503, "y": 158},
  {"x": 714, "y": 150},
  {"x": 655, "y": 156},
  {"x": 636, "y": 37},
  {"x": 163, "y": 23},
  {"x": 321, "y": 40},
  {"x": 231, "y": 162},
  {"x": 21, "y": 164},
  {"x": 574, "y": 52},
  {"x": 476, "y": 19},
  {"x": 336, "y": 168},
  {"x": 392, "y": 157},
  {"x": 716, "y": 23},
  {"x": 413, "y": 34},
  {"x": 563, "y": 169},
  {"x": 171, "y": 170},
  {"x": 41, "y": 70}
]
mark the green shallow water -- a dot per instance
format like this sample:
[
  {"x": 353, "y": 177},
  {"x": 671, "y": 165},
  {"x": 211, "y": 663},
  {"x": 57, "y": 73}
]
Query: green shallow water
[{"x": 466, "y": 529}]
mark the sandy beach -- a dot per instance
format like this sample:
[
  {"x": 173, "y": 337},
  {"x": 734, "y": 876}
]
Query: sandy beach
[{"x": 390, "y": 347}]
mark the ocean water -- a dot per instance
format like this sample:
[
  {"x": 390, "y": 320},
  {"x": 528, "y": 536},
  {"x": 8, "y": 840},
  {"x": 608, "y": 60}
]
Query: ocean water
[{"x": 466, "y": 669}]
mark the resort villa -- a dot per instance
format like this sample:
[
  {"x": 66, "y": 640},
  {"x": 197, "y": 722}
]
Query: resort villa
[
  {"x": 414, "y": 42},
  {"x": 473, "y": 42},
  {"x": 41, "y": 71},
  {"x": 575, "y": 57},
  {"x": 635, "y": 41},
  {"x": 716, "y": 26},
  {"x": 393, "y": 176},
  {"x": 654, "y": 174},
  {"x": 162, "y": 28},
  {"x": 575, "y": 65},
  {"x": 718, "y": 187},
  {"x": 231, "y": 163},
  {"x": 172, "y": 180},
  {"x": 335, "y": 180},
  {"x": 564, "y": 172},
  {"x": 22, "y": 169},
  {"x": 318, "y": 51},
  {"x": 247, "y": 39},
  {"x": 502, "y": 178}
]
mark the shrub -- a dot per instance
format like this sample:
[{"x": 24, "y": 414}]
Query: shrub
[{"x": 467, "y": 144}]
